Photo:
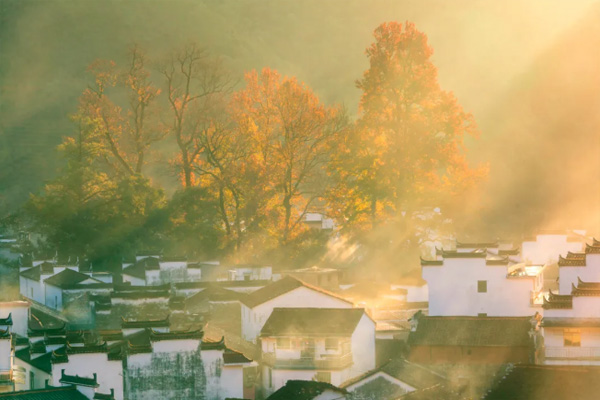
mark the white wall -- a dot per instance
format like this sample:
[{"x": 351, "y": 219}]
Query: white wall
[
  {"x": 20, "y": 315},
  {"x": 110, "y": 373},
  {"x": 589, "y": 273},
  {"x": 5, "y": 354},
  {"x": 222, "y": 381},
  {"x": 254, "y": 319},
  {"x": 134, "y": 281},
  {"x": 363, "y": 347},
  {"x": 547, "y": 248},
  {"x": 453, "y": 289},
  {"x": 31, "y": 289},
  {"x": 53, "y": 297}
]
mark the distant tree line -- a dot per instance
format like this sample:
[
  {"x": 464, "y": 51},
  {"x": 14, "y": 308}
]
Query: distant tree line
[{"x": 251, "y": 160}]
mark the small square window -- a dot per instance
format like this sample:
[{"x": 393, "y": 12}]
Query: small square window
[{"x": 481, "y": 286}]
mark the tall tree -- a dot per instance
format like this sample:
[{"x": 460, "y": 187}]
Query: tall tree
[
  {"x": 128, "y": 130},
  {"x": 406, "y": 150},
  {"x": 290, "y": 132},
  {"x": 195, "y": 83}
]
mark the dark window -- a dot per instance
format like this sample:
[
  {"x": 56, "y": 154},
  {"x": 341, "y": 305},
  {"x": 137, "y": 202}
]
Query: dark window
[{"x": 482, "y": 286}]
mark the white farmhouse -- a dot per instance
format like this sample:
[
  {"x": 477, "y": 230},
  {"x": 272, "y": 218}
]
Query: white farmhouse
[
  {"x": 571, "y": 323},
  {"x": 476, "y": 283},
  {"x": 546, "y": 248},
  {"x": 329, "y": 345},
  {"x": 575, "y": 266},
  {"x": 287, "y": 292}
]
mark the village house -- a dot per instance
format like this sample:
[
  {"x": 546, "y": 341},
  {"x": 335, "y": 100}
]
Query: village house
[
  {"x": 472, "y": 340},
  {"x": 155, "y": 270},
  {"x": 329, "y": 345},
  {"x": 308, "y": 390},
  {"x": 575, "y": 266},
  {"x": 327, "y": 278},
  {"x": 474, "y": 282},
  {"x": 392, "y": 380},
  {"x": 571, "y": 323},
  {"x": 287, "y": 292}
]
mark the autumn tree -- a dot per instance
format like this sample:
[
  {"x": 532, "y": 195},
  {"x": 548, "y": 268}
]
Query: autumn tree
[
  {"x": 290, "y": 133},
  {"x": 195, "y": 85},
  {"x": 126, "y": 130},
  {"x": 406, "y": 150}
]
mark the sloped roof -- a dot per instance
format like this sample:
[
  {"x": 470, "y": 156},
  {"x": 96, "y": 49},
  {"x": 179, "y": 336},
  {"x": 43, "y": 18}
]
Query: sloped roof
[
  {"x": 312, "y": 322},
  {"x": 471, "y": 331},
  {"x": 280, "y": 287},
  {"x": 79, "y": 380},
  {"x": 50, "y": 393},
  {"x": 42, "y": 362},
  {"x": 6, "y": 321},
  {"x": 67, "y": 278},
  {"x": 410, "y": 373},
  {"x": 303, "y": 390},
  {"x": 216, "y": 293},
  {"x": 547, "y": 382},
  {"x": 32, "y": 273}
]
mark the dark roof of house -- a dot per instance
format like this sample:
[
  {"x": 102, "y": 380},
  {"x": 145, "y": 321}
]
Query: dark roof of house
[
  {"x": 312, "y": 322},
  {"x": 32, "y": 273},
  {"x": 595, "y": 249},
  {"x": 128, "y": 287},
  {"x": 280, "y": 287},
  {"x": 234, "y": 357},
  {"x": 50, "y": 393},
  {"x": 79, "y": 380},
  {"x": 135, "y": 270},
  {"x": 104, "y": 396},
  {"x": 480, "y": 245},
  {"x": 43, "y": 320},
  {"x": 303, "y": 390},
  {"x": 215, "y": 293},
  {"x": 6, "y": 321},
  {"x": 175, "y": 335},
  {"x": 555, "y": 301},
  {"x": 211, "y": 345},
  {"x": 150, "y": 323},
  {"x": 571, "y": 262},
  {"x": 139, "y": 294},
  {"x": 42, "y": 362},
  {"x": 436, "y": 392},
  {"x": 67, "y": 278},
  {"x": 410, "y": 373},
  {"x": 225, "y": 284},
  {"x": 509, "y": 252},
  {"x": 471, "y": 331},
  {"x": 428, "y": 263},
  {"x": 547, "y": 382}
]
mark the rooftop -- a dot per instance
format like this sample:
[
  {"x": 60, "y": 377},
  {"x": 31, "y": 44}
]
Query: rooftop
[
  {"x": 280, "y": 287},
  {"x": 303, "y": 390},
  {"x": 471, "y": 331},
  {"x": 410, "y": 373},
  {"x": 49, "y": 393},
  {"x": 68, "y": 278},
  {"x": 312, "y": 322},
  {"x": 78, "y": 380},
  {"x": 547, "y": 382}
]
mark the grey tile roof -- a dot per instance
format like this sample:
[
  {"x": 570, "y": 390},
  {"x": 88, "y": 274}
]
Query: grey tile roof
[{"x": 312, "y": 322}]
